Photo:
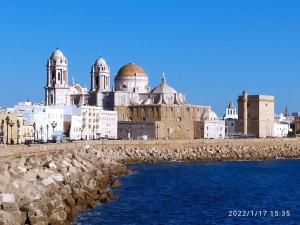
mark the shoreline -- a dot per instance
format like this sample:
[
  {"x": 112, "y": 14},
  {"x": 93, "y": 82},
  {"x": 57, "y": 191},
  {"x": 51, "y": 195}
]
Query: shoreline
[{"x": 48, "y": 184}]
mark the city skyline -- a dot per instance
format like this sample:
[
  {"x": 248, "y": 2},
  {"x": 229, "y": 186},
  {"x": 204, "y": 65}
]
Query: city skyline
[{"x": 212, "y": 57}]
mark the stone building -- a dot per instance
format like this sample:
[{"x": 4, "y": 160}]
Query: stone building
[
  {"x": 158, "y": 113},
  {"x": 297, "y": 125},
  {"x": 161, "y": 121},
  {"x": 256, "y": 115}
]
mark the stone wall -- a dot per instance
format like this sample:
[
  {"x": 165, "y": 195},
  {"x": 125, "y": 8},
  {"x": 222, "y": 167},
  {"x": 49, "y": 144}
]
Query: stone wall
[{"x": 48, "y": 184}]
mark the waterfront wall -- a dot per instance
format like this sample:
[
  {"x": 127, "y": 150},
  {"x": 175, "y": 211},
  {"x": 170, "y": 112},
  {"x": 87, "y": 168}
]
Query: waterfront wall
[{"x": 48, "y": 184}]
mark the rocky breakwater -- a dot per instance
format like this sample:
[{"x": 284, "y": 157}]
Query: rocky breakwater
[
  {"x": 201, "y": 150},
  {"x": 48, "y": 184},
  {"x": 50, "y": 189}
]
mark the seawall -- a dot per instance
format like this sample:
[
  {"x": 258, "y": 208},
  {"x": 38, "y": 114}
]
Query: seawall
[{"x": 48, "y": 184}]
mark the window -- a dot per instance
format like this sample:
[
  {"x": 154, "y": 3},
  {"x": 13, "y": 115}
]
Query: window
[
  {"x": 53, "y": 75},
  {"x": 58, "y": 75}
]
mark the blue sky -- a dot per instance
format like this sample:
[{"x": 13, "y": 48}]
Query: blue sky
[{"x": 210, "y": 50}]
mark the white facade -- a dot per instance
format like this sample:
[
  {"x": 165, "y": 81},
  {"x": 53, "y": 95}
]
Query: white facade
[
  {"x": 44, "y": 118},
  {"x": 76, "y": 127},
  {"x": 281, "y": 129},
  {"x": 89, "y": 122},
  {"x": 98, "y": 123},
  {"x": 214, "y": 128},
  {"x": 282, "y": 125}
]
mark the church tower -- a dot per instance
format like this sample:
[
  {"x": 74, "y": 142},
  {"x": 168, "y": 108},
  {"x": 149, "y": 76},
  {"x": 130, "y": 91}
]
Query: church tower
[
  {"x": 100, "y": 84},
  {"x": 100, "y": 76},
  {"x": 231, "y": 112},
  {"x": 57, "y": 87}
]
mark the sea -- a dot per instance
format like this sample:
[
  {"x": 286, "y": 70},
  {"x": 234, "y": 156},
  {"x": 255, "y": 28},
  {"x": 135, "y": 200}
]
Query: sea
[{"x": 234, "y": 192}]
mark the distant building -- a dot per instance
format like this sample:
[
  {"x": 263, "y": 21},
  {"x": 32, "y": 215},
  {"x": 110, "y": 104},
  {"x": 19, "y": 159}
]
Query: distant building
[
  {"x": 256, "y": 115},
  {"x": 46, "y": 119},
  {"x": 89, "y": 122},
  {"x": 14, "y": 129},
  {"x": 297, "y": 125},
  {"x": 231, "y": 118},
  {"x": 213, "y": 127},
  {"x": 161, "y": 113},
  {"x": 281, "y": 129}
]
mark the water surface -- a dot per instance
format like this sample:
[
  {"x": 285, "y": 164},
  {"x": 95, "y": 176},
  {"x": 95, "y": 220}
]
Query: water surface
[{"x": 204, "y": 193}]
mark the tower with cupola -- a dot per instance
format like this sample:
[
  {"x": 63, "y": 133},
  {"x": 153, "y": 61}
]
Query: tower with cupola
[
  {"x": 100, "y": 92},
  {"x": 57, "y": 87},
  {"x": 100, "y": 76}
]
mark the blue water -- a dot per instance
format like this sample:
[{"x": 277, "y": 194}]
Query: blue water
[{"x": 204, "y": 193}]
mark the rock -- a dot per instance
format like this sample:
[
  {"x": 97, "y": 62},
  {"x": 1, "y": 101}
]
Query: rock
[
  {"x": 36, "y": 216},
  {"x": 58, "y": 218},
  {"x": 47, "y": 181},
  {"x": 10, "y": 207},
  {"x": 57, "y": 177},
  {"x": 112, "y": 196},
  {"x": 31, "y": 194},
  {"x": 52, "y": 165},
  {"x": 116, "y": 183},
  {"x": 7, "y": 218},
  {"x": 70, "y": 200},
  {"x": 7, "y": 198}
]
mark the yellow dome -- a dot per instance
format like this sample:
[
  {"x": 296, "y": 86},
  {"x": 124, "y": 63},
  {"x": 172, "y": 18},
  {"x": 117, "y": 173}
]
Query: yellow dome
[{"x": 131, "y": 69}]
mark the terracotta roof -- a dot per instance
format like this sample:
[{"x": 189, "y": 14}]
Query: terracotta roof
[{"x": 131, "y": 69}]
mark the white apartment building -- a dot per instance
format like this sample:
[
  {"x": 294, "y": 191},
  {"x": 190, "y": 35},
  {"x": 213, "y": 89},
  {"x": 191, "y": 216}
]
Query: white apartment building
[
  {"x": 89, "y": 122},
  {"x": 46, "y": 119},
  {"x": 98, "y": 123}
]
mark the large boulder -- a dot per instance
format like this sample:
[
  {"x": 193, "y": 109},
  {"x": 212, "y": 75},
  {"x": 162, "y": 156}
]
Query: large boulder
[{"x": 7, "y": 218}]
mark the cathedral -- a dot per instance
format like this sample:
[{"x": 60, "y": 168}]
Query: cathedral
[
  {"x": 159, "y": 113},
  {"x": 131, "y": 86}
]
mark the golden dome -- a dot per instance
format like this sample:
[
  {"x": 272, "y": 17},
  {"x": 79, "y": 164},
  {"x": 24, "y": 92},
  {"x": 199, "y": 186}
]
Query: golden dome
[{"x": 131, "y": 69}]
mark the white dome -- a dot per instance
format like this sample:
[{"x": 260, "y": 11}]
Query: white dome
[
  {"x": 210, "y": 115},
  {"x": 57, "y": 54},
  {"x": 164, "y": 88},
  {"x": 100, "y": 61}
]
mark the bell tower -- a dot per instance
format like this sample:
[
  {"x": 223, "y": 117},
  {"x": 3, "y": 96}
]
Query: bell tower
[
  {"x": 100, "y": 76},
  {"x": 100, "y": 84},
  {"x": 57, "y": 87}
]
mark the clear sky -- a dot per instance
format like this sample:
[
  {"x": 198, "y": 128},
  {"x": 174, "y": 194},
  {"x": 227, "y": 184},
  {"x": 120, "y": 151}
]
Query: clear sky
[{"x": 210, "y": 50}]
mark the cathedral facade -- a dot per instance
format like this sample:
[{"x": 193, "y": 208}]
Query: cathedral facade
[{"x": 161, "y": 112}]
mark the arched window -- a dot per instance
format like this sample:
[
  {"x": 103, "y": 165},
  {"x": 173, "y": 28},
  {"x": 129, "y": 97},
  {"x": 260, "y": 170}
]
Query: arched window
[
  {"x": 53, "y": 75},
  {"x": 58, "y": 76}
]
